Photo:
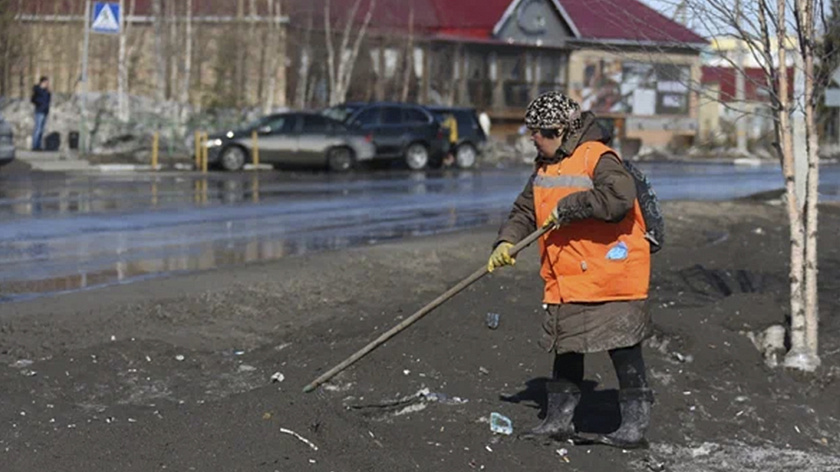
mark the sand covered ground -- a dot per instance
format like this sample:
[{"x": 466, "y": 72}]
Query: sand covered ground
[{"x": 175, "y": 374}]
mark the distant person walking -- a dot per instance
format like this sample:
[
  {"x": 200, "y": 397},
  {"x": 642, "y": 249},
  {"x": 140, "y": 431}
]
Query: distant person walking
[{"x": 41, "y": 97}]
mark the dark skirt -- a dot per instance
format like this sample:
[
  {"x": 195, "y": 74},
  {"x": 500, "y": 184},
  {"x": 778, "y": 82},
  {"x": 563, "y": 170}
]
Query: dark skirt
[{"x": 595, "y": 327}]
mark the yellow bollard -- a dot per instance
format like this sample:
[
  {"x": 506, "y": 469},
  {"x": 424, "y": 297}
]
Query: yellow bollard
[
  {"x": 204, "y": 154},
  {"x": 197, "y": 142},
  {"x": 155, "y": 148},
  {"x": 255, "y": 150}
]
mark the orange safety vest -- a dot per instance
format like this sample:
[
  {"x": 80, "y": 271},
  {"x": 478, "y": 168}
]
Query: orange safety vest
[{"x": 589, "y": 260}]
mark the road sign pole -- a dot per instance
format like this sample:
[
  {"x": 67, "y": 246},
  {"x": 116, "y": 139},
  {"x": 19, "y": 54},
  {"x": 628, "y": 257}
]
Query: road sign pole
[{"x": 84, "y": 145}]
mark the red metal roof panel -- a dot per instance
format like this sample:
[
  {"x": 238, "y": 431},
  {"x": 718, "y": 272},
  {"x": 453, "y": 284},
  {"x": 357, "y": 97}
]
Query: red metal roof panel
[{"x": 625, "y": 20}]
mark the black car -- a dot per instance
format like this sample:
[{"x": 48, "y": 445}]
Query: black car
[
  {"x": 400, "y": 131},
  {"x": 291, "y": 139},
  {"x": 471, "y": 138}
]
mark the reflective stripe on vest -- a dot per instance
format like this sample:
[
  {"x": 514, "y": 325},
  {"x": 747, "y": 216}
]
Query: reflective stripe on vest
[
  {"x": 558, "y": 181},
  {"x": 588, "y": 260}
]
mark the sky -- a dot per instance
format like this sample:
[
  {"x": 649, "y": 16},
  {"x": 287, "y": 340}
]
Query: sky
[{"x": 667, "y": 7}]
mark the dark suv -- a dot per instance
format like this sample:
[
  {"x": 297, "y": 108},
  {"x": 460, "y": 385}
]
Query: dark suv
[
  {"x": 471, "y": 137},
  {"x": 400, "y": 131}
]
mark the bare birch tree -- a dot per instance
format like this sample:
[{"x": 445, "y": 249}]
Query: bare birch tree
[
  {"x": 160, "y": 59},
  {"x": 274, "y": 58},
  {"x": 304, "y": 66},
  {"x": 188, "y": 39},
  {"x": 125, "y": 53},
  {"x": 808, "y": 357},
  {"x": 173, "y": 47},
  {"x": 409, "y": 57},
  {"x": 340, "y": 64},
  {"x": 763, "y": 30}
]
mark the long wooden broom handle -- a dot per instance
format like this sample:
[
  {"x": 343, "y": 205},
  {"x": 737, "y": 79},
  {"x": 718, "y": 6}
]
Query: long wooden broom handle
[{"x": 420, "y": 313}]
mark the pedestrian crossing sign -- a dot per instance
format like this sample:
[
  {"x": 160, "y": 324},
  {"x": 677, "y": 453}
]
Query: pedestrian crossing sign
[{"x": 106, "y": 18}]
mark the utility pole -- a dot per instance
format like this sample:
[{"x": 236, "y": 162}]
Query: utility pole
[{"x": 740, "y": 95}]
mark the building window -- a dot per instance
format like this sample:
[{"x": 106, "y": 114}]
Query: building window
[
  {"x": 551, "y": 72},
  {"x": 525, "y": 74},
  {"x": 635, "y": 88},
  {"x": 655, "y": 89},
  {"x": 479, "y": 85}
]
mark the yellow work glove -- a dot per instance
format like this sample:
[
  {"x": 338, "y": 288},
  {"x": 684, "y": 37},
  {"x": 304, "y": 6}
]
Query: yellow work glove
[
  {"x": 555, "y": 220},
  {"x": 552, "y": 220},
  {"x": 500, "y": 257}
]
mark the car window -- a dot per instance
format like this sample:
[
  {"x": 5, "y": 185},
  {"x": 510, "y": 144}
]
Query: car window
[
  {"x": 336, "y": 126},
  {"x": 340, "y": 112},
  {"x": 392, "y": 116},
  {"x": 280, "y": 124},
  {"x": 315, "y": 124},
  {"x": 368, "y": 117},
  {"x": 414, "y": 116}
]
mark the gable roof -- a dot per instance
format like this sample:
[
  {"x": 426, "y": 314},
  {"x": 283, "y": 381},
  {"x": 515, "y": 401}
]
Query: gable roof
[
  {"x": 615, "y": 21},
  {"x": 626, "y": 21}
]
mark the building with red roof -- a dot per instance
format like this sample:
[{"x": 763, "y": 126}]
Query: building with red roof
[{"x": 619, "y": 58}]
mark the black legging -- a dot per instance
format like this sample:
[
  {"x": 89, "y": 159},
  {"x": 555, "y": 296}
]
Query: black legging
[{"x": 628, "y": 362}]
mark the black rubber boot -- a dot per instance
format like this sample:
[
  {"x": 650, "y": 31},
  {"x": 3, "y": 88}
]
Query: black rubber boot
[
  {"x": 557, "y": 424},
  {"x": 635, "y": 406}
]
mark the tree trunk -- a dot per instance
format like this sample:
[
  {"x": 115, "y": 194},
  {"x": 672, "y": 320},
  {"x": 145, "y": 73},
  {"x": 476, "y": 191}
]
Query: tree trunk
[
  {"x": 805, "y": 16},
  {"x": 271, "y": 49},
  {"x": 240, "y": 91},
  {"x": 797, "y": 313},
  {"x": 122, "y": 69},
  {"x": 304, "y": 67},
  {"x": 279, "y": 92},
  {"x": 331, "y": 75},
  {"x": 172, "y": 46},
  {"x": 185, "y": 85},
  {"x": 409, "y": 57},
  {"x": 340, "y": 76},
  {"x": 264, "y": 60},
  {"x": 160, "y": 59}
]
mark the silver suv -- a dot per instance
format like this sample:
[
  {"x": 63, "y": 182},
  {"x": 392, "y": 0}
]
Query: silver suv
[{"x": 7, "y": 143}]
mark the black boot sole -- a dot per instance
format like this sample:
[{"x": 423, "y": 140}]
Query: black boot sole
[
  {"x": 548, "y": 438},
  {"x": 589, "y": 440}
]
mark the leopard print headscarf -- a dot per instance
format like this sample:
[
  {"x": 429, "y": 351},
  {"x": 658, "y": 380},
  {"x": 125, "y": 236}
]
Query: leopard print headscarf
[{"x": 553, "y": 110}]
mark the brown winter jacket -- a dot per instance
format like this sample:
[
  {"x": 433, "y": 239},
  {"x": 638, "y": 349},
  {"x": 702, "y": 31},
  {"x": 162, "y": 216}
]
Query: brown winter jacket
[{"x": 611, "y": 198}]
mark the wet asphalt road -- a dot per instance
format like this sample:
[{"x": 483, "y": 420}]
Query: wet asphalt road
[{"x": 71, "y": 232}]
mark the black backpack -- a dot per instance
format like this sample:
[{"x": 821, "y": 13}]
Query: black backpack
[{"x": 649, "y": 203}]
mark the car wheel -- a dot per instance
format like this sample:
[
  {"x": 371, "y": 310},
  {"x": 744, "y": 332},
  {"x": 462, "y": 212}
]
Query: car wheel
[
  {"x": 465, "y": 156},
  {"x": 340, "y": 159},
  {"x": 417, "y": 156},
  {"x": 233, "y": 158}
]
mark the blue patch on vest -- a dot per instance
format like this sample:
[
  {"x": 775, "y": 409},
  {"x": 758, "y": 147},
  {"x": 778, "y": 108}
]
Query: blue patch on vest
[{"x": 618, "y": 252}]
